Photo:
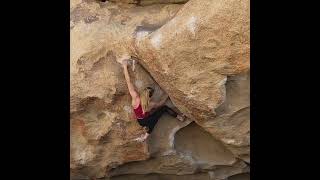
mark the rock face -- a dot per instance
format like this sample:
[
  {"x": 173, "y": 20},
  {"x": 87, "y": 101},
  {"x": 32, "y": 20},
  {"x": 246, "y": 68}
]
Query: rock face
[
  {"x": 197, "y": 52},
  {"x": 192, "y": 54},
  {"x": 150, "y": 2}
]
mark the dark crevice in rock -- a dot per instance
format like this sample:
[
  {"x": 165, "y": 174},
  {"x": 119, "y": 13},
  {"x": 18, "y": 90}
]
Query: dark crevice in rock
[
  {"x": 156, "y": 86},
  {"x": 146, "y": 28},
  {"x": 105, "y": 139},
  {"x": 150, "y": 2},
  {"x": 243, "y": 176},
  {"x": 237, "y": 91},
  {"x": 247, "y": 163},
  {"x": 86, "y": 102},
  {"x": 200, "y": 145}
]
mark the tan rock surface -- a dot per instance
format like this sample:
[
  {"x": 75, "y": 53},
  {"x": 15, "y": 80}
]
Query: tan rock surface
[
  {"x": 193, "y": 149},
  {"x": 232, "y": 123},
  {"x": 150, "y": 2},
  {"x": 197, "y": 52},
  {"x": 191, "y": 55}
]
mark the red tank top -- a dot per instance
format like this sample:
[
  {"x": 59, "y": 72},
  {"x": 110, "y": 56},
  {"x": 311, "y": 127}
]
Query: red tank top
[{"x": 139, "y": 112}]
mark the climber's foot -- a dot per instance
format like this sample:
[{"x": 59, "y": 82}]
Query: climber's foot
[
  {"x": 142, "y": 138},
  {"x": 145, "y": 136},
  {"x": 181, "y": 117}
]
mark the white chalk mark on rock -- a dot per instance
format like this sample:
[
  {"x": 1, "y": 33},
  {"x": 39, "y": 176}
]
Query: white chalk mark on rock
[
  {"x": 142, "y": 138},
  {"x": 138, "y": 83},
  {"x": 229, "y": 141},
  {"x": 127, "y": 109},
  {"x": 169, "y": 152},
  {"x": 156, "y": 40},
  {"x": 223, "y": 90},
  {"x": 133, "y": 64},
  {"x": 141, "y": 34},
  {"x": 211, "y": 175},
  {"x": 187, "y": 156},
  {"x": 191, "y": 23},
  {"x": 171, "y": 136}
]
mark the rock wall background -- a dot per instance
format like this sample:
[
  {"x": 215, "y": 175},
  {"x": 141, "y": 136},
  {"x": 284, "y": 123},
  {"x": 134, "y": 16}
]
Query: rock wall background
[{"x": 197, "y": 52}]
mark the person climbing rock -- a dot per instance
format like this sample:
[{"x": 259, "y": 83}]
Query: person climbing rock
[{"x": 146, "y": 111}]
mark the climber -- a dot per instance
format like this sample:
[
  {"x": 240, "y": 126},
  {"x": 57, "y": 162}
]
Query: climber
[{"x": 146, "y": 111}]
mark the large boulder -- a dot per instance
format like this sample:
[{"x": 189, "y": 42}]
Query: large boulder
[
  {"x": 104, "y": 133},
  {"x": 197, "y": 53},
  {"x": 192, "y": 55}
]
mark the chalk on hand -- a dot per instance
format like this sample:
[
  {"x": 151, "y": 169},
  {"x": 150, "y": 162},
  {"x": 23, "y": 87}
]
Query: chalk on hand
[{"x": 133, "y": 64}]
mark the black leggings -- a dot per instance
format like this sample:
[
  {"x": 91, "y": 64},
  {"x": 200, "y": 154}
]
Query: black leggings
[{"x": 153, "y": 118}]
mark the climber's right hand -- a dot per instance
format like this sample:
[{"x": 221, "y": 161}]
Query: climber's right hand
[
  {"x": 124, "y": 62},
  {"x": 124, "y": 58}
]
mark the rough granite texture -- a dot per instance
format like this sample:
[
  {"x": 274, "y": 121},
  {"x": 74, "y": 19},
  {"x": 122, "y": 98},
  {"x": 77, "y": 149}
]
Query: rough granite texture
[{"x": 197, "y": 52}]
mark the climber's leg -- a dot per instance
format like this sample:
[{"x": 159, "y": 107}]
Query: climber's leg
[
  {"x": 175, "y": 114},
  {"x": 152, "y": 119},
  {"x": 142, "y": 122},
  {"x": 170, "y": 111}
]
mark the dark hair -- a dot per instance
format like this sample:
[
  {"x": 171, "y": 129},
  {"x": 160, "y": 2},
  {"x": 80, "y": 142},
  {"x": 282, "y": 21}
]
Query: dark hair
[{"x": 151, "y": 90}]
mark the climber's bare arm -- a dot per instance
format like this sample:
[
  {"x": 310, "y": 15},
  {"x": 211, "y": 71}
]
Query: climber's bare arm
[
  {"x": 155, "y": 105},
  {"x": 132, "y": 91}
]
